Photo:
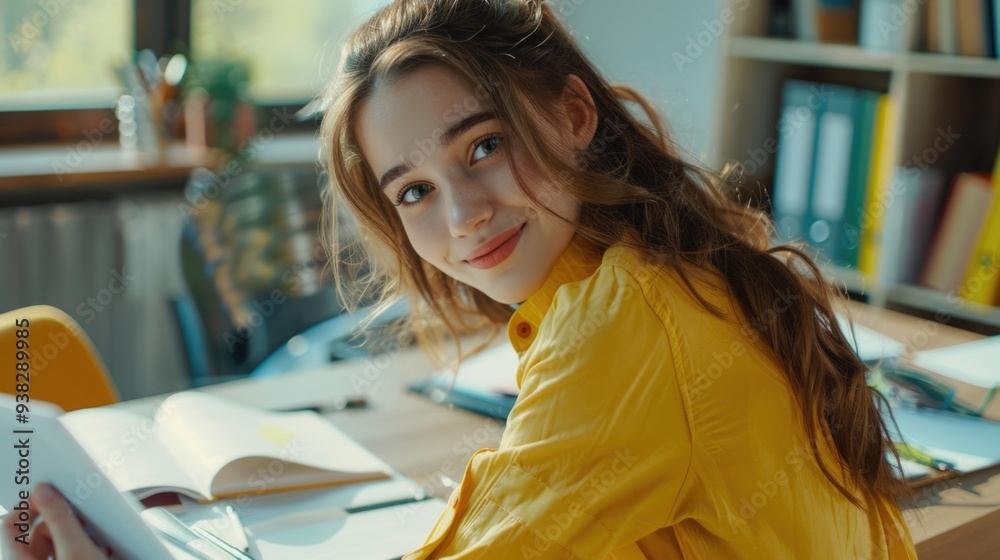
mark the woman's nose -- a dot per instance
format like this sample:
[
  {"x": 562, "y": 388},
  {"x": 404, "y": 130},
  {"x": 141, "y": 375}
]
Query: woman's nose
[{"x": 469, "y": 208}]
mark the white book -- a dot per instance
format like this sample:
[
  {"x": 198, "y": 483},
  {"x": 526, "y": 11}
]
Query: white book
[
  {"x": 974, "y": 363},
  {"x": 377, "y": 519},
  {"x": 207, "y": 447},
  {"x": 49, "y": 453}
]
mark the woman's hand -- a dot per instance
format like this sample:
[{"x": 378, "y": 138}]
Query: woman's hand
[{"x": 59, "y": 535}]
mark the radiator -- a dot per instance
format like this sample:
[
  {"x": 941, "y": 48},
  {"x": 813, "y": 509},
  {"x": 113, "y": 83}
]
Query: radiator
[{"x": 111, "y": 265}]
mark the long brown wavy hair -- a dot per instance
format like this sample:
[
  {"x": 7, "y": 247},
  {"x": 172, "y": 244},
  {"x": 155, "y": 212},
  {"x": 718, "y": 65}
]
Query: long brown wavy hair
[{"x": 634, "y": 187}]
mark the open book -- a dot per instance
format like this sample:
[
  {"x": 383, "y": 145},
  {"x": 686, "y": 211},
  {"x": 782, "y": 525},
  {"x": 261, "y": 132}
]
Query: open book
[{"x": 207, "y": 447}]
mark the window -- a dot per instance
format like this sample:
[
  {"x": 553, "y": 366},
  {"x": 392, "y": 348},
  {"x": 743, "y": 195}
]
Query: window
[
  {"x": 63, "y": 53},
  {"x": 291, "y": 48},
  {"x": 58, "y": 57}
]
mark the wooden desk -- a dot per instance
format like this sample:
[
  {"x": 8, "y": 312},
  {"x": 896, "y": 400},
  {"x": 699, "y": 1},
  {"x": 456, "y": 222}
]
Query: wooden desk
[
  {"x": 417, "y": 437},
  {"x": 431, "y": 443},
  {"x": 955, "y": 519}
]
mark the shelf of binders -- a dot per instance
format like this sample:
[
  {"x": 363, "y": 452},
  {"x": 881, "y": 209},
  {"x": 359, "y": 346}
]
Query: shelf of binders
[{"x": 873, "y": 148}]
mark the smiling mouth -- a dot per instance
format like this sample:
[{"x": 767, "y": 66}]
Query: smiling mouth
[{"x": 499, "y": 253}]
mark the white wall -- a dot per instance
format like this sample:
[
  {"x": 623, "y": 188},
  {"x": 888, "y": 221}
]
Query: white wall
[
  {"x": 656, "y": 46},
  {"x": 648, "y": 44}
]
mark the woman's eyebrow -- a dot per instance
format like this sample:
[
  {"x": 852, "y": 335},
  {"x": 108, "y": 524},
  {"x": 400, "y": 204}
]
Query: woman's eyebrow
[{"x": 449, "y": 135}]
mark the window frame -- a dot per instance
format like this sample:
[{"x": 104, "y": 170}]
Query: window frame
[{"x": 163, "y": 26}]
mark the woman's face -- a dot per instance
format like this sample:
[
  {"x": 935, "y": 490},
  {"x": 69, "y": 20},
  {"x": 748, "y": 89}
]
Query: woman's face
[{"x": 440, "y": 157}]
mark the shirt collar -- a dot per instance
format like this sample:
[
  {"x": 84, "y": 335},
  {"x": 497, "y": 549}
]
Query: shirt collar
[{"x": 578, "y": 261}]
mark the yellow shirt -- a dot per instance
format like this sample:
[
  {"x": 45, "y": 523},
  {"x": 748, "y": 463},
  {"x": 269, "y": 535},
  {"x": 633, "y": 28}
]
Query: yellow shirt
[{"x": 647, "y": 427}]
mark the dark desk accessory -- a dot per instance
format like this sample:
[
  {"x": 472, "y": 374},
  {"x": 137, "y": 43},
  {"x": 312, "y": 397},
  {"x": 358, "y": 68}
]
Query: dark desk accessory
[{"x": 494, "y": 405}]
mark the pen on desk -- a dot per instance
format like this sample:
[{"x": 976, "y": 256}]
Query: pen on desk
[
  {"x": 911, "y": 453},
  {"x": 322, "y": 408},
  {"x": 388, "y": 503},
  {"x": 312, "y": 516}
]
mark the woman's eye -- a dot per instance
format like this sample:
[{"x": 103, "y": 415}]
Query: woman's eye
[
  {"x": 412, "y": 194},
  {"x": 486, "y": 147}
]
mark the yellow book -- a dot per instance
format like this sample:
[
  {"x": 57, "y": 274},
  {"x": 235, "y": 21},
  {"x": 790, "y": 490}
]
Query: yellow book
[
  {"x": 982, "y": 277},
  {"x": 879, "y": 176}
]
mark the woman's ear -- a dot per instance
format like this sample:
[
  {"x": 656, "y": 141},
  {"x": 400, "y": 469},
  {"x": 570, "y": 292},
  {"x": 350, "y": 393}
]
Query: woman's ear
[{"x": 580, "y": 112}]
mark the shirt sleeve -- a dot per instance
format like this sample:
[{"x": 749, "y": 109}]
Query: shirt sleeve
[{"x": 597, "y": 447}]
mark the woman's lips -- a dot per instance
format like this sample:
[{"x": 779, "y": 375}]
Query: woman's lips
[{"x": 499, "y": 253}]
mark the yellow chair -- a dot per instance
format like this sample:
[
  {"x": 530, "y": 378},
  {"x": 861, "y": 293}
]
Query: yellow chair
[{"x": 63, "y": 365}]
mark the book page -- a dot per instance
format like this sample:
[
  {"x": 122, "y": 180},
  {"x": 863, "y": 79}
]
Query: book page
[
  {"x": 378, "y": 534},
  {"x": 911, "y": 471},
  {"x": 216, "y": 432},
  {"x": 974, "y": 363},
  {"x": 259, "y": 475},
  {"x": 968, "y": 442},
  {"x": 493, "y": 371},
  {"x": 128, "y": 451},
  {"x": 58, "y": 458}
]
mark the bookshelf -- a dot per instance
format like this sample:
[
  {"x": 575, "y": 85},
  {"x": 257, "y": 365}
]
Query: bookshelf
[{"x": 933, "y": 95}]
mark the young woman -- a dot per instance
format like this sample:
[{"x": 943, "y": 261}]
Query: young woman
[{"x": 685, "y": 389}]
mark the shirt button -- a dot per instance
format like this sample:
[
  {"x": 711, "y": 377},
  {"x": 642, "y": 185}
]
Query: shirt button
[{"x": 524, "y": 329}]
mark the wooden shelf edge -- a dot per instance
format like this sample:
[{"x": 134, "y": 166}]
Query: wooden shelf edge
[
  {"x": 810, "y": 54},
  {"x": 946, "y": 306},
  {"x": 848, "y": 279},
  {"x": 31, "y": 170},
  {"x": 791, "y": 51}
]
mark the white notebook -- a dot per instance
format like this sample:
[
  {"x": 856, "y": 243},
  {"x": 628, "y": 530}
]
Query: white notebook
[
  {"x": 208, "y": 447},
  {"x": 976, "y": 363}
]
